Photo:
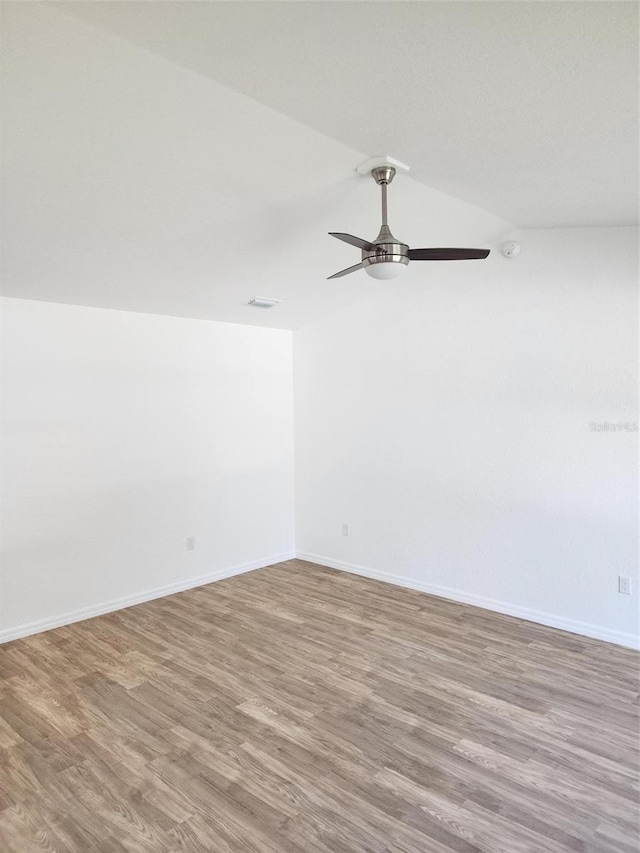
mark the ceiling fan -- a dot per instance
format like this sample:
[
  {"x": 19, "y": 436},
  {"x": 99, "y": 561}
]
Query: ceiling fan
[{"x": 386, "y": 257}]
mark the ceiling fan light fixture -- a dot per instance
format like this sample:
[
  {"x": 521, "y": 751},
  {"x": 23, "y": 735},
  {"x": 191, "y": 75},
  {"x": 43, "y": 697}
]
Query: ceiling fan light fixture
[{"x": 385, "y": 270}]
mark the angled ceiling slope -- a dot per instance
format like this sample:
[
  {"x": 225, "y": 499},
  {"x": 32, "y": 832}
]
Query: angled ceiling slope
[
  {"x": 528, "y": 109},
  {"x": 132, "y": 182}
]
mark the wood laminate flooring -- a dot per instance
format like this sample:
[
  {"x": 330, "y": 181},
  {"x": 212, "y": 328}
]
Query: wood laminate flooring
[{"x": 297, "y": 708}]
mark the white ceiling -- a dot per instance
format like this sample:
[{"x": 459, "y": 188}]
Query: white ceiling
[
  {"x": 188, "y": 175},
  {"x": 527, "y": 109}
]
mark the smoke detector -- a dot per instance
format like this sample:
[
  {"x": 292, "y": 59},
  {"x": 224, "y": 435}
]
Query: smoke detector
[{"x": 511, "y": 249}]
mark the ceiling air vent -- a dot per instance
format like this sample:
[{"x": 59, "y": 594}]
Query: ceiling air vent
[{"x": 261, "y": 302}]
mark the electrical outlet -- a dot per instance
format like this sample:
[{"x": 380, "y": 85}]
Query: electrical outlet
[
  {"x": 624, "y": 585},
  {"x": 191, "y": 543},
  {"x": 345, "y": 530}
]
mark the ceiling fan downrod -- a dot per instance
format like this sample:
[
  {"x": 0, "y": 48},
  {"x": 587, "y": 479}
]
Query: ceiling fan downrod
[{"x": 383, "y": 176}]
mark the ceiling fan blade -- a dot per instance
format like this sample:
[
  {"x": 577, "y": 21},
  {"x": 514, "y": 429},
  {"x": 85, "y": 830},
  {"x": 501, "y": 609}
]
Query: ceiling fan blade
[
  {"x": 447, "y": 254},
  {"x": 354, "y": 268},
  {"x": 358, "y": 242}
]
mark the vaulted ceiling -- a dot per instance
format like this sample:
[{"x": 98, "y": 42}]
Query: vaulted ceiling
[
  {"x": 527, "y": 109},
  {"x": 183, "y": 157}
]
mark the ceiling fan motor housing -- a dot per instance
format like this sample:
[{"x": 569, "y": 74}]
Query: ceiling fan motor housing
[{"x": 387, "y": 250}]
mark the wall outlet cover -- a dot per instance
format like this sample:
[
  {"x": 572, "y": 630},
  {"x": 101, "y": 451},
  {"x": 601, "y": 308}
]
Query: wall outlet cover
[{"x": 624, "y": 585}]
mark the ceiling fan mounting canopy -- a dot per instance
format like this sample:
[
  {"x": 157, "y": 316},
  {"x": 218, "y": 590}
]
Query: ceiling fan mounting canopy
[
  {"x": 383, "y": 174},
  {"x": 387, "y": 257}
]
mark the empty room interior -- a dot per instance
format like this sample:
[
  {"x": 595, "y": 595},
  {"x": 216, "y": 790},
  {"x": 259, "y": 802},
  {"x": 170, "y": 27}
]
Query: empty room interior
[{"x": 320, "y": 427}]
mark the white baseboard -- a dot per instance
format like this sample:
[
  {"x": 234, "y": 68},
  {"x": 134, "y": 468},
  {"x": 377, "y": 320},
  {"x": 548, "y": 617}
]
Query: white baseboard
[
  {"x": 137, "y": 598},
  {"x": 585, "y": 629}
]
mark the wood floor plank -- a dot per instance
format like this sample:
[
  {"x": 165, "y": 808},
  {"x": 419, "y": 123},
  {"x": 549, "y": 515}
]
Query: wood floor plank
[{"x": 298, "y": 709}]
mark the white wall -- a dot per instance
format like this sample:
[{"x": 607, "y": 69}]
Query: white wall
[
  {"x": 124, "y": 434},
  {"x": 448, "y": 422}
]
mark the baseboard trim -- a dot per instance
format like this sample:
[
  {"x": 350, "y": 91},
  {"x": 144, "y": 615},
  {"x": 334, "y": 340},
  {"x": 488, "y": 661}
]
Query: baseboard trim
[
  {"x": 69, "y": 618},
  {"x": 572, "y": 626},
  {"x": 585, "y": 629}
]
